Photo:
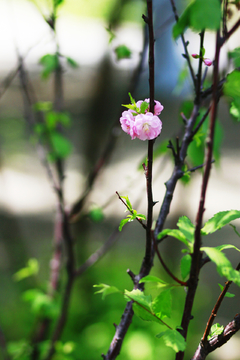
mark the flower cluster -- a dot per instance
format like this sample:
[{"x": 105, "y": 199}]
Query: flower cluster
[{"x": 139, "y": 122}]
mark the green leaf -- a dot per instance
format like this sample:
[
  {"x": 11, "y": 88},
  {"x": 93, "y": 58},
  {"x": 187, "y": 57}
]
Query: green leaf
[
  {"x": 187, "y": 228},
  {"x": 42, "y": 304},
  {"x": 235, "y": 110},
  {"x": 216, "y": 329},
  {"x": 50, "y": 63},
  {"x": 228, "y": 294},
  {"x": 226, "y": 246},
  {"x": 235, "y": 230},
  {"x": 122, "y": 52},
  {"x": 96, "y": 214},
  {"x": 224, "y": 266},
  {"x": 185, "y": 265},
  {"x": 19, "y": 350},
  {"x": 122, "y": 223},
  {"x": 144, "y": 106},
  {"x": 111, "y": 34},
  {"x": 141, "y": 216},
  {"x": 177, "y": 234},
  {"x": 139, "y": 297},
  {"x": 173, "y": 339},
  {"x": 106, "y": 290},
  {"x": 199, "y": 15},
  {"x": 128, "y": 202},
  {"x": 43, "y": 106},
  {"x": 154, "y": 279},
  {"x": 61, "y": 146},
  {"x": 219, "y": 220},
  {"x": 235, "y": 55},
  {"x": 72, "y": 62},
  {"x": 142, "y": 305},
  {"x": 232, "y": 85},
  {"x": 162, "y": 304},
  {"x": 32, "y": 268}
]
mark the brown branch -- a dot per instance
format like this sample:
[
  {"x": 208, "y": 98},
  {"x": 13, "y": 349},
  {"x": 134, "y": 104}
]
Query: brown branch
[
  {"x": 219, "y": 340},
  {"x": 99, "y": 253},
  {"x": 182, "y": 283},
  {"x": 197, "y": 255}
]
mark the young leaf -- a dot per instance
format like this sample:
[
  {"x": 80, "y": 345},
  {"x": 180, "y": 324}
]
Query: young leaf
[
  {"x": 144, "y": 106},
  {"x": 162, "y": 304},
  {"x": 216, "y": 329},
  {"x": 32, "y": 268},
  {"x": 50, "y": 64},
  {"x": 173, "y": 339},
  {"x": 228, "y": 294},
  {"x": 96, "y": 214},
  {"x": 105, "y": 290},
  {"x": 224, "y": 266},
  {"x": 235, "y": 55},
  {"x": 185, "y": 265},
  {"x": 219, "y": 220},
  {"x": 61, "y": 146},
  {"x": 174, "y": 233},
  {"x": 139, "y": 297},
  {"x": 154, "y": 279},
  {"x": 122, "y": 52},
  {"x": 231, "y": 86},
  {"x": 186, "y": 227},
  {"x": 72, "y": 62},
  {"x": 122, "y": 223}
]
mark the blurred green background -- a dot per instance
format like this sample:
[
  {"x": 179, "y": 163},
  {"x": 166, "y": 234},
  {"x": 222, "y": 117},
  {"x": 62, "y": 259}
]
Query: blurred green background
[{"x": 93, "y": 95}]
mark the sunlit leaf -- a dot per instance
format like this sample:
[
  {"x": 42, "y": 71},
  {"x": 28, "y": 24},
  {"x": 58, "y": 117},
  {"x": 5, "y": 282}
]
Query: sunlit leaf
[
  {"x": 219, "y": 220},
  {"x": 177, "y": 234},
  {"x": 216, "y": 329},
  {"x": 96, "y": 214},
  {"x": 173, "y": 339},
  {"x": 186, "y": 227},
  {"x": 105, "y": 290},
  {"x": 154, "y": 279},
  {"x": 162, "y": 304}
]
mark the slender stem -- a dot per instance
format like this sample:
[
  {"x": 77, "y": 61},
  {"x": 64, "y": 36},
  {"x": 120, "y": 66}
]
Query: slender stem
[
  {"x": 148, "y": 251},
  {"x": 215, "y": 309},
  {"x": 187, "y": 57},
  {"x": 183, "y": 283},
  {"x": 197, "y": 255}
]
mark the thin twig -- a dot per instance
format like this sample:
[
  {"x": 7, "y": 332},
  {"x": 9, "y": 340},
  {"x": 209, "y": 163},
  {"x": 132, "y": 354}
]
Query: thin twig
[
  {"x": 186, "y": 53},
  {"x": 197, "y": 255},
  {"x": 95, "y": 257},
  {"x": 182, "y": 283},
  {"x": 131, "y": 211}
]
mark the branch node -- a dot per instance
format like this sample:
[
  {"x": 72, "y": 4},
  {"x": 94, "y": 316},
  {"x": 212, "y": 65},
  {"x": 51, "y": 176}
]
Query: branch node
[
  {"x": 132, "y": 275},
  {"x": 145, "y": 18}
]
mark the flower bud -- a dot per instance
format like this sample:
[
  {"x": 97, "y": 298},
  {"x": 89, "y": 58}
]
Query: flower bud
[{"x": 208, "y": 62}]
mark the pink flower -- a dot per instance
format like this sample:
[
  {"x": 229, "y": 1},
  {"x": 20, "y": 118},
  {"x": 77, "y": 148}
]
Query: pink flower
[
  {"x": 127, "y": 123},
  {"x": 195, "y": 56},
  {"x": 158, "y": 108},
  {"x": 208, "y": 62},
  {"x": 147, "y": 126}
]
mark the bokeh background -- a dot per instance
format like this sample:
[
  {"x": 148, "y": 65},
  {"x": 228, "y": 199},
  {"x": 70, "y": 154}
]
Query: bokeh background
[{"x": 93, "y": 94}]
